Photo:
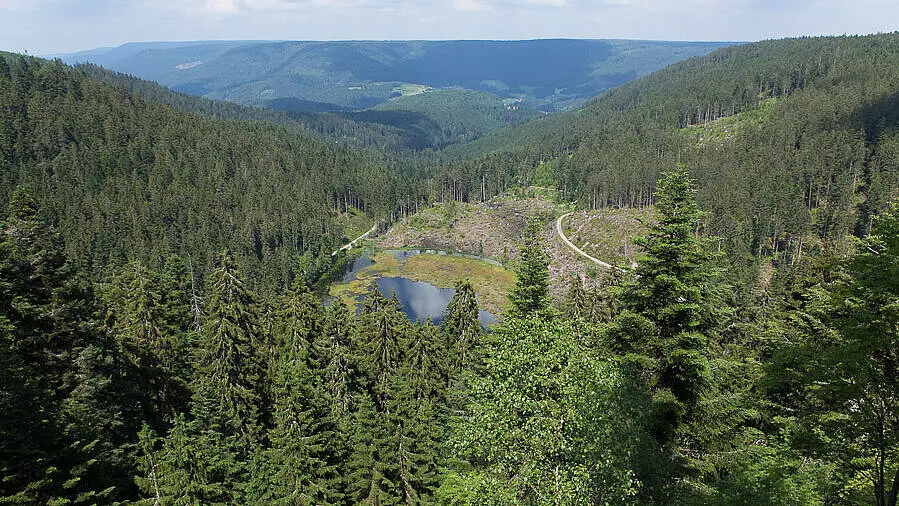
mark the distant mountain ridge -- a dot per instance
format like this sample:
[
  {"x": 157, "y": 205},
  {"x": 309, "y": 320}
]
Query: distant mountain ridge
[
  {"x": 550, "y": 75},
  {"x": 108, "y": 56}
]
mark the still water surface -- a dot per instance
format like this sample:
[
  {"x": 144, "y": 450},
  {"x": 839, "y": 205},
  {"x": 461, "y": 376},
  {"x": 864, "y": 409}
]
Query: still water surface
[
  {"x": 422, "y": 300},
  {"x": 419, "y": 300}
]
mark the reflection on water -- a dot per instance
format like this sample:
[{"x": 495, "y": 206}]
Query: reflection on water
[
  {"x": 359, "y": 263},
  {"x": 421, "y": 300}
]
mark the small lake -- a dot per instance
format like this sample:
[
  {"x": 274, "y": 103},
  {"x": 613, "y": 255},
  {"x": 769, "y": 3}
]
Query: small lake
[{"x": 419, "y": 300}]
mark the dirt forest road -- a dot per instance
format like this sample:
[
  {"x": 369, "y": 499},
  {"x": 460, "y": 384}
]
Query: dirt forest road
[
  {"x": 577, "y": 250},
  {"x": 354, "y": 241}
]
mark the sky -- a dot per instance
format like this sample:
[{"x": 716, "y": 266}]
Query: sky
[{"x": 44, "y": 27}]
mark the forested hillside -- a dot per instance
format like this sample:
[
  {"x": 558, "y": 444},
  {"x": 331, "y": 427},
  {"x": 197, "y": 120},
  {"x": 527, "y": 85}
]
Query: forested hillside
[
  {"x": 399, "y": 127},
  {"x": 327, "y": 75},
  {"x": 792, "y": 141},
  {"x": 448, "y": 116},
  {"x": 161, "y": 341},
  {"x": 126, "y": 178}
]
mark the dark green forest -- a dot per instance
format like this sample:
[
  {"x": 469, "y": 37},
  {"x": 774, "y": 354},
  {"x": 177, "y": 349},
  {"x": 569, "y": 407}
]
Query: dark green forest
[
  {"x": 398, "y": 127},
  {"x": 163, "y": 341},
  {"x": 793, "y": 142},
  {"x": 122, "y": 176}
]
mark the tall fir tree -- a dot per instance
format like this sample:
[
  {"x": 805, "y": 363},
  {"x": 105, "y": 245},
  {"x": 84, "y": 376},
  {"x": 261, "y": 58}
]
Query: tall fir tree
[
  {"x": 424, "y": 355},
  {"x": 417, "y": 407},
  {"x": 370, "y": 468},
  {"x": 175, "y": 287},
  {"x": 296, "y": 468},
  {"x": 417, "y": 431},
  {"x": 461, "y": 325},
  {"x": 382, "y": 326},
  {"x": 206, "y": 459},
  {"x": 670, "y": 306},
  {"x": 189, "y": 466},
  {"x": 146, "y": 341},
  {"x": 673, "y": 288},
  {"x": 61, "y": 404},
  {"x": 230, "y": 380},
  {"x": 531, "y": 291},
  {"x": 333, "y": 358},
  {"x": 334, "y": 364}
]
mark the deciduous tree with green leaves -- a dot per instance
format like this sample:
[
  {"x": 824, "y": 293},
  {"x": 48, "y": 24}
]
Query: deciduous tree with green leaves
[
  {"x": 838, "y": 378},
  {"x": 548, "y": 423}
]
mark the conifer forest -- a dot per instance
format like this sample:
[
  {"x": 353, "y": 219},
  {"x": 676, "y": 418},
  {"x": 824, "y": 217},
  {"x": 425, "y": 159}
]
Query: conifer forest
[{"x": 166, "y": 338}]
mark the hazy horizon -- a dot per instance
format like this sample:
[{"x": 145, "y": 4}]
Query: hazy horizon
[
  {"x": 64, "y": 26},
  {"x": 187, "y": 42}
]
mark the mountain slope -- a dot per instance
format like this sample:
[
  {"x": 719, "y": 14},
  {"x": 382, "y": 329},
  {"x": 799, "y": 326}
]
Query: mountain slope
[
  {"x": 547, "y": 74},
  {"x": 793, "y": 142},
  {"x": 446, "y": 116},
  {"x": 397, "y": 127},
  {"x": 155, "y": 51},
  {"x": 124, "y": 177}
]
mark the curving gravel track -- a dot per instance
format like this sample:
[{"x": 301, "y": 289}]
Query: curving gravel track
[{"x": 575, "y": 248}]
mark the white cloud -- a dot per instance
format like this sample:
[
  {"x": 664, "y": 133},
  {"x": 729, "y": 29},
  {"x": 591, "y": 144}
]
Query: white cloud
[
  {"x": 548, "y": 3},
  {"x": 220, "y": 7},
  {"x": 472, "y": 6}
]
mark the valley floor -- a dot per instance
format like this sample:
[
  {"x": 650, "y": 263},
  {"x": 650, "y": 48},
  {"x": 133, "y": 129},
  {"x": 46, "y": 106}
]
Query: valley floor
[
  {"x": 491, "y": 282},
  {"x": 492, "y": 229}
]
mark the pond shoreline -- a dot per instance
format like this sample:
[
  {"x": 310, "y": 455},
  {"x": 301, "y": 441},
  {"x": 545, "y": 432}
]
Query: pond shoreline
[{"x": 440, "y": 269}]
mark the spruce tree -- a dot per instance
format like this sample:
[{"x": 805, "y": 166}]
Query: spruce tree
[
  {"x": 370, "y": 469},
  {"x": 189, "y": 466},
  {"x": 28, "y": 440},
  {"x": 145, "y": 341},
  {"x": 296, "y": 468},
  {"x": 206, "y": 459},
  {"x": 589, "y": 299},
  {"x": 673, "y": 287},
  {"x": 333, "y": 358},
  {"x": 417, "y": 433},
  {"x": 461, "y": 324},
  {"x": 175, "y": 287},
  {"x": 670, "y": 305},
  {"x": 531, "y": 292},
  {"x": 42, "y": 296},
  {"x": 424, "y": 356},
  {"x": 59, "y": 393},
  {"x": 417, "y": 408},
  {"x": 382, "y": 326},
  {"x": 230, "y": 376}
]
